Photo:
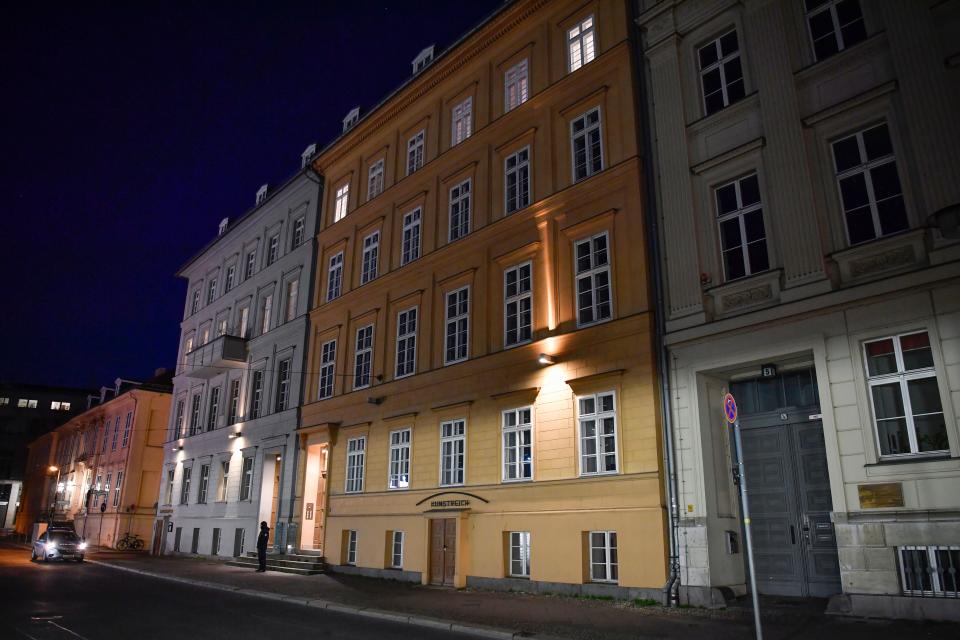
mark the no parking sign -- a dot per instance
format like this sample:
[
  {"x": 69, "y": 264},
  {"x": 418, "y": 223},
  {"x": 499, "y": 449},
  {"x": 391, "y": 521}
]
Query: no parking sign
[{"x": 730, "y": 408}]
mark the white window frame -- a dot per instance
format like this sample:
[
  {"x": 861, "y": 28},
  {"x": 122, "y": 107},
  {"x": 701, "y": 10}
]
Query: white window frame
[
  {"x": 341, "y": 202},
  {"x": 407, "y": 324},
  {"x": 328, "y": 363},
  {"x": 589, "y": 129},
  {"x": 401, "y": 455},
  {"x": 720, "y": 63},
  {"x": 600, "y": 450},
  {"x": 609, "y": 544},
  {"x": 831, "y": 6},
  {"x": 356, "y": 458},
  {"x": 299, "y": 231},
  {"x": 522, "y": 175},
  {"x": 234, "y": 414},
  {"x": 213, "y": 408},
  {"x": 516, "y": 86},
  {"x": 284, "y": 387},
  {"x": 224, "y": 480},
  {"x": 335, "y": 276},
  {"x": 517, "y": 299},
  {"x": 519, "y": 540},
  {"x": 117, "y": 488},
  {"x": 244, "y": 321},
  {"x": 416, "y": 151},
  {"x": 581, "y": 43},
  {"x": 396, "y": 550},
  {"x": 127, "y": 425},
  {"x": 375, "y": 179},
  {"x": 293, "y": 294},
  {"x": 453, "y": 462},
  {"x": 352, "y": 547},
  {"x": 740, "y": 213},
  {"x": 256, "y": 394},
  {"x": 251, "y": 266},
  {"x": 514, "y": 471},
  {"x": 195, "y": 426},
  {"x": 211, "y": 290},
  {"x": 168, "y": 494},
  {"x": 410, "y": 237},
  {"x": 231, "y": 278},
  {"x": 195, "y": 304},
  {"x": 457, "y": 325},
  {"x": 204, "y": 483},
  {"x": 371, "y": 257},
  {"x": 266, "y": 310},
  {"x": 273, "y": 249},
  {"x": 461, "y": 119},
  {"x": 246, "y": 479},
  {"x": 595, "y": 269},
  {"x": 363, "y": 358},
  {"x": 460, "y": 207},
  {"x": 935, "y": 572},
  {"x": 185, "y": 481}
]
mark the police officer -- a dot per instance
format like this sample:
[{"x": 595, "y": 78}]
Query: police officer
[{"x": 262, "y": 546}]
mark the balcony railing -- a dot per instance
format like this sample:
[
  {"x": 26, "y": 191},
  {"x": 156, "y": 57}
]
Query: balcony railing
[{"x": 220, "y": 354}]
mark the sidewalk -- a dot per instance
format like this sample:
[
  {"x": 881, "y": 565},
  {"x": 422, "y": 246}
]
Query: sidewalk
[{"x": 515, "y": 613}]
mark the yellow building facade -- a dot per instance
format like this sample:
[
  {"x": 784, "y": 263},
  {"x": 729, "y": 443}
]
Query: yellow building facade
[{"x": 482, "y": 404}]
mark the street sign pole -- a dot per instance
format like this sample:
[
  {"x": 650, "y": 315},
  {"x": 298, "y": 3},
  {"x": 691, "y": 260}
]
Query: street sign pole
[{"x": 730, "y": 413}]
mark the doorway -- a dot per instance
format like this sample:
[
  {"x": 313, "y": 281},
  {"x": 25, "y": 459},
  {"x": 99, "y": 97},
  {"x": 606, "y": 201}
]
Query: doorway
[
  {"x": 270, "y": 493},
  {"x": 795, "y": 547},
  {"x": 314, "y": 497},
  {"x": 443, "y": 551}
]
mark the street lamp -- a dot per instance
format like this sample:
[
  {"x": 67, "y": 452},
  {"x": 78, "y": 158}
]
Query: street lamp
[{"x": 56, "y": 494}]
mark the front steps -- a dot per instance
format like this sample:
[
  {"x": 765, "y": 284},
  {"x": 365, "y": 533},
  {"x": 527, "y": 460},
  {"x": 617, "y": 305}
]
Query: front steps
[{"x": 301, "y": 564}]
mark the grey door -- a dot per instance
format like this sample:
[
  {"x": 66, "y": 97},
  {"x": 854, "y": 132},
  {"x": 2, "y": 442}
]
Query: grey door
[{"x": 789, "y": 492}]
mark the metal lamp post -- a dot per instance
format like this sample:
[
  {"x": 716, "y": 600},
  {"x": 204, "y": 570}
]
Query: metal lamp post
[{"x": 56, "y": 494}]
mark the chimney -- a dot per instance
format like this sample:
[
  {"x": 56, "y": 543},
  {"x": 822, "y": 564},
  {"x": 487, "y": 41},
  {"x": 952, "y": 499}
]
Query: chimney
[
  {"x": 223, "y": 226},
  {"x": 262, "y": 193}
]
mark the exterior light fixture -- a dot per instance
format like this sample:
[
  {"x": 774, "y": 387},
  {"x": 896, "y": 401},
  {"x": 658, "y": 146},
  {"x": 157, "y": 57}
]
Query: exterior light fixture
[
  {"x": 947, "y": 220},
  {"x": 177, "y": 448},
  {"x": 545, "y": 359},
  {"x": 375, "y": 400},
  {"x": 235, "y": 434}
]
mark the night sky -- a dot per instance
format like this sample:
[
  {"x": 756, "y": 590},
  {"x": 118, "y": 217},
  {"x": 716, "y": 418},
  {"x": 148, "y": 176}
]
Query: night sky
[{"x": 130, "y": 129}]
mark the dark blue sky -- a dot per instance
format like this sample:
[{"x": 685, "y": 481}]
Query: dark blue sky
[{"x": 131, "y": 128}]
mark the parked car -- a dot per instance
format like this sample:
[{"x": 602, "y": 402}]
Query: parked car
[{"x": 58, "y": 544}]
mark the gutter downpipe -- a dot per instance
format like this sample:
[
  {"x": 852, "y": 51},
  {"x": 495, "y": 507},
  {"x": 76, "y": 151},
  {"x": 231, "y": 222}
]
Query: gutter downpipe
[{"x": 645, "y": 144}]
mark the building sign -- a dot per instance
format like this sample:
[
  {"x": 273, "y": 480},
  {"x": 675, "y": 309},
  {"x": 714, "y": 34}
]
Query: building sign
[
  {"x": 768, "y": 371},
  {"x": 446, "y": 504},
  {"x": 875, "y": 496},
  {"x": 309, "y": 515},
  {"x": 451, "y": 500}
]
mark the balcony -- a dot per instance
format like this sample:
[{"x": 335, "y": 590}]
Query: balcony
[{"x": 216, "y": 357}]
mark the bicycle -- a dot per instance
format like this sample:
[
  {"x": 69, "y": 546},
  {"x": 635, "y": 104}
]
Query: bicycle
[{"x": 129, "y": 541}]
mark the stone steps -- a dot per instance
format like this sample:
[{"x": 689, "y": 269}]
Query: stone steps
[{"x": 299, "y": 564}]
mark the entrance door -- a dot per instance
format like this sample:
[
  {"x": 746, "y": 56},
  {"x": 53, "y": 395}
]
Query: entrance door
[
  {"x": 274, "y": 500},
  {"x": 443, "y": 550}
]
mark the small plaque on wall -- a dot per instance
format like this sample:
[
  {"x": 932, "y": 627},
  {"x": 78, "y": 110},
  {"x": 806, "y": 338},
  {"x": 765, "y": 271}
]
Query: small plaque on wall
[{"x": 875, "y": 496}]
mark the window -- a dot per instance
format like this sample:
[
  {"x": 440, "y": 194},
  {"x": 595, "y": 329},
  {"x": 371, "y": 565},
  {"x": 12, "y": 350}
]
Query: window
[
  {"x": 460, "y": 210},
  {"x": 518, "y": 304},
  {"x": 293, "y": 292},
  {"x": 195, "y": 414},
  {"x": 517, "y": 180},
  {"x": 406, "y": 342},
  {"x": 743, "y": 239},
  {"x": 185, "y": 485},
  {"x": 195, "y": 305},
  {"x": 515, "y": 86},
  {"x": 231, "y": 277},
  {"x": 328, "y": 358},
  {"x": 375, "y": 179},
  {"x": 906, "y": 399},
  {"x": 587, "y": 145},
  {"x": 399, "y": 459},
  {"x": 178, "y": 422},
  {"x": 410, "y": 245},
  {"x": 340, "y": 204},
  {"x": 461, "y": 118},
  {"x": 224, "y": 479},
  {"x": 222, "y": 327},
  {"x": 204, "y": 483},
  {"x": 334, "y": 276},
  {"x": 256, "y": 394},
  {"x": 117, "y": 488},
  {"x": 415, "y": 147},
  {"x": 598, "y": 433},
  {"x": 283, "y": 384},
  {"x": 834, "y": 26},
  {"x": 106, "y": 487},
  {"x": 593, "y": 280},
  {"x": 518, "y": 444},
  {"x": 870, "y": 192},
  {"x": 519, "y": 554},
  {"x": 396, "y": 550},
  {"x": 251, "y": 264},
  {"x": 930, "y": 571},
  {"x": 299, "y": 231},
  {"x": 213, "y": 409},
  {"x": 371, "y": 255},
  {"x": 234, "y": 413},
  {"x": 363, "y": 357},
  {"x": 266, "y": 310},
  {"x": 457, "y": 326},
  {"x": 351, "y": 547},
  {"x": 603, "y": 556},
  {"x": 246, "y": 478},
  {"x": 244, "y": 321},
  {"x": 127, "y": 425},
  {"x": 211, "y": 290},
  {"x": 581, "y": 48},
  {"x": 116, "y": 434},
  {"x": 5, "y": 402},
  {"x": 205, "y": 335},
  {"x": 453, "y": 452},
  {"x": 273, "y": 249},
  {"x": 355, "y": 453},
  {"x": 721, "y": 74},
  {"x": 169, "y": 492}
]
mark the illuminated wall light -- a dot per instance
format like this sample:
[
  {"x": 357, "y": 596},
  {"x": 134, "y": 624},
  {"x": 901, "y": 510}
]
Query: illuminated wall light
[
  {"x": 235, "y": 434},
  {"x": 545, "y": 359}
]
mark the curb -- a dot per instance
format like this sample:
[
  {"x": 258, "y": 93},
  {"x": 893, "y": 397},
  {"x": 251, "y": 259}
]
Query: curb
[{"x": 378, "y": 614}]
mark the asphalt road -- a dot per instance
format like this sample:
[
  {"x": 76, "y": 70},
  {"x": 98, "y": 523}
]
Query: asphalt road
[{"x": 71, "y": 601}]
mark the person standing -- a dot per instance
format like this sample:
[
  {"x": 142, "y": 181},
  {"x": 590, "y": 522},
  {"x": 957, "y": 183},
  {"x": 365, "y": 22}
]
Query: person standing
[{"x": 262, "y": 546}]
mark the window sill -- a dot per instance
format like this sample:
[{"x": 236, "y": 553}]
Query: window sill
[{"x": 883, "y": 462}]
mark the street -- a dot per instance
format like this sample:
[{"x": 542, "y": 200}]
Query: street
[{"x": 67, "y": 600}]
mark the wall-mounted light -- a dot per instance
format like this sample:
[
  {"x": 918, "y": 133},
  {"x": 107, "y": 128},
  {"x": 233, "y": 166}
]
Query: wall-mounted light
[
  {"x": 375, "y": 400},
  {"x": 177, "y": 447},
  {"x": 947, "y": 220},
  {"x": 235, "y": 434},
  {"x": 545, "y": 359}
]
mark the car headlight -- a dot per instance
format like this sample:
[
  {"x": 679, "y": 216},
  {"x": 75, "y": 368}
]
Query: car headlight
[
  {"x": 82, "y": 546},
  {"x": 50, "y": 546}
]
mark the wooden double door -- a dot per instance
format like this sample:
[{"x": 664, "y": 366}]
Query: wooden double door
[{"x": 443, "y": 550}]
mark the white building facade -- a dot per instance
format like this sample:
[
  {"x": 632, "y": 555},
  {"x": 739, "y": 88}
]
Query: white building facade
[
  {"x": 230, "y": 458},
  {"x": 804, "y": 161}
]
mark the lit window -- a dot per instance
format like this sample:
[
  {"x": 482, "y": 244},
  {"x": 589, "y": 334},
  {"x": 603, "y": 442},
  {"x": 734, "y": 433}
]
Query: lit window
[
  {"x": 453, "y": 452},
  {"x": 587, "y": 146},
  {"x": 246, "y": 479},
  {"x": 462, "y": 118},
  {"x": 211, "y": 290},
  {"x": 328, "y": 358},
  {"x": 231, "y": 277},
  {"x": 293, "y": 291},
  {"x": 244, "y": 322},
  {"x": 340, "y": 205},
  {"x": 410, "y": 243},
  {"x": 603, "y": 556},
  {"x": 743, "y": 239},
  {"x": 457, "y": 323},
  {"x": 415, "y": 150},
  {"x": 518, "y": 444},
  {"x": 54, "y": 406},
  {"x": 5, "y": 402},
  {"x": 363, "y": 357},
  {"x": 515, "y": 86},
  {"x": 593, "y": 279},
  {"x": 516, "y": 175},
  {"x": 518, "y": 304},
  {"x": 460, "y": 210},
  {"x": 375, "y": 179},
  {"x": 356, "y": 449},
  {"x": 335, "y": 276},
  {"x": 834, "y": 25},
  {"x": 519, "y": 554},
  {"x": 222, "y": 327},
  {"x": 169, "y": 491},
  {"x": 721, "y": 74},
  {"x": 396, "y": 550},
  {"x": 399, "y": 459},
  {"x": 597, "y": 418},
  {"x": 581, "y": 47},
  {"x": 371, "y": 257},
  {"x": 406, "y": 342}
]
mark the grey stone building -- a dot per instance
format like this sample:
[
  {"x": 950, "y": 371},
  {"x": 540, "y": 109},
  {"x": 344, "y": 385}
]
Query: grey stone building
[
  {"x": 803, "y": 159},
  {"x": 230, "y": 460}
]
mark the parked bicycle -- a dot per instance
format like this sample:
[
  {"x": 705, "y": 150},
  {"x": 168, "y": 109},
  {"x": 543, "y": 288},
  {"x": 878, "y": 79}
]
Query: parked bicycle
[{"x": 129, "y": 541}]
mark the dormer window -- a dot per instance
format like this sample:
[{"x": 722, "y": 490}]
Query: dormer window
[
  {"x": 423, "y": 58},
  {"x": 308, "y": 153},
  {"x": 351, "y": 118},
  {"x": 262, "y": 193}
]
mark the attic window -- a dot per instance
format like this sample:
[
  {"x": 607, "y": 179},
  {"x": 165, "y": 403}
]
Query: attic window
[
  {"x": 423, "y": 58},
  {"x": 308, "y": 153},
  {"x": 351, "y": 118},
  {"x": 223, "y": 225},
  {"x": 262, "y": 193}
]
